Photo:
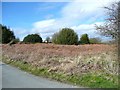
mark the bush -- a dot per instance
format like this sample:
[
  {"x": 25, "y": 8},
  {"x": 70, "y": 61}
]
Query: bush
[
  {"x": 32, "y": 38},
  {"x": 55, "y": 38},
  {"x": 66, "y": 36},
  {"x": 84, "y": 39},
  {"x": 95, "y": 40},
  {"x": 7, "y": 34},
  {"x": 17, "y": 40},
  {"x": 14, "y": 41}
]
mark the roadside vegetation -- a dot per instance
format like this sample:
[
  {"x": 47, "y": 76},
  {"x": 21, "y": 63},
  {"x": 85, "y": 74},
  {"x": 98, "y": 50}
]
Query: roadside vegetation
[
  {"x": 66, "y": 57},
  {"x": 83, "y": 66},
  {"x": 91, "y": 79}
]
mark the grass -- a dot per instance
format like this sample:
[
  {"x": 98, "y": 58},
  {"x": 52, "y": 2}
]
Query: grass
[{"x": 92, "y": 80}]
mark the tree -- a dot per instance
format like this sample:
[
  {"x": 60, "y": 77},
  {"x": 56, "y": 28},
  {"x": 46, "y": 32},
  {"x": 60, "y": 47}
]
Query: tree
[
  {"x": 95, "y": 40},
  {"x": 0, "y": 33},
  {"x": 48, "y": 39},
  {"x": 65, "y": 36},
  {"x": 16, "y": 40},
  {"x": 84, "y": 39},
  {"x": 55, "y": 38},
  {"x": 7, "y": 34},
  {"x": 110, "y": 27},
  {"x": 32, "y": 38}
]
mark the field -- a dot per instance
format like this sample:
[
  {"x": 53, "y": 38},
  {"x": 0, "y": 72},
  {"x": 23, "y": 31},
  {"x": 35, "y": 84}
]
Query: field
[{"x": 70, "y": 60}]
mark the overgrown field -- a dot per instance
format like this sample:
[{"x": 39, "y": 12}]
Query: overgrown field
[{"x": 93, "y": 65}]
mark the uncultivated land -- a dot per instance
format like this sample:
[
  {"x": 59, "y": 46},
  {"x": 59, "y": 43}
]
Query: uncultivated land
[{"x": 97, "y": 64}]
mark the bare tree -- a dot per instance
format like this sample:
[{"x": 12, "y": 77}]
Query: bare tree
[
  {"x": 110, "y": 27},
  {"x": 119, "y": 23}
]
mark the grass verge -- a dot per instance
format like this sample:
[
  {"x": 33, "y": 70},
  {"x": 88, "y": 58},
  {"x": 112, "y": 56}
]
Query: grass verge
[{"x": 92, "y": 80}]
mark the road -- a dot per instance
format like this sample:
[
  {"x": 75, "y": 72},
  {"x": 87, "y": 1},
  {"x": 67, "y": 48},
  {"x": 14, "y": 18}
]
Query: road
[
  {"x": 0, "y": 75},
  {"x": 15, "y": 78}
]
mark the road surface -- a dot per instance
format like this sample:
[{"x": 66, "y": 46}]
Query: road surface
[
  {"x": 0, "y": 75},
  {"x": 15, "y": 78}
]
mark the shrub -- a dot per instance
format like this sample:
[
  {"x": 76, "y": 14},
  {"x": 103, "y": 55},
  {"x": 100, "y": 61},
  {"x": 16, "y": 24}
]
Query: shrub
[
  {"x": 32, "y": 38},
  {"x": 95, "y": 40},
  {"x": 84, "y": 39},
  {"x": 55, "y": 38},
  {"x": 7, "y": 34},
  {"x": 65, "y": 36},
  {"x": 14, "y": 41}
]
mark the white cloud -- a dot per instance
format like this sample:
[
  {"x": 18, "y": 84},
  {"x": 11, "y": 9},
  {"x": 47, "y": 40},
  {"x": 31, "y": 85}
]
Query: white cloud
[
  {"x": 83, "y": 10},
  {"x": 51, "y": 27},
  {"x": 44, "y": 28},
  {"x": 87, "y": 28},
  {"x": 44, "y": 23},
  {"x": 21, "y": 32},
  {"x": 72, "y": 15}
]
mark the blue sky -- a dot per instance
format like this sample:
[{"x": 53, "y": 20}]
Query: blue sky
[
  {"x": 23, "y": 14},
  {"x": 46, "y": 18}
]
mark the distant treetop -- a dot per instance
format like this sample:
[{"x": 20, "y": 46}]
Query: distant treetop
[
  {"x": 32, "y": 38},
  {"x": 6, "y": 34},
  {"x": 65, "y": 36}
]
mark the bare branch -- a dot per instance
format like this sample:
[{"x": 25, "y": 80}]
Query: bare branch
[{"x": 110, "y": 27}]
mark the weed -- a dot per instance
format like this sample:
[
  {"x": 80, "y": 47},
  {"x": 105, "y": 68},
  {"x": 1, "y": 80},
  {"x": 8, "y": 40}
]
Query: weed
[{"x": 93, "y": 80}]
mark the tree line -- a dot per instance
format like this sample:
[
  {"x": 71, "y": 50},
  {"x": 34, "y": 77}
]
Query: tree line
[{"x": 67, "y": 35}]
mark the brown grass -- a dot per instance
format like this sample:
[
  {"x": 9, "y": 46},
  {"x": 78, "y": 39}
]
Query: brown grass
[{"x": 69, "y": 59}]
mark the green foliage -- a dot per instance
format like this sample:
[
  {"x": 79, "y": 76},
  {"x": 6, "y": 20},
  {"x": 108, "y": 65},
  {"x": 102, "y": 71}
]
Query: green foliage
[
  {"x": 6, "y": 34},
  {"x": 84, "y": 39},
  {"x": 55, "y": 38},
  {"x": 16, "y": 40},
  {"x": 0, "y": 33},
  {"x": 32, "y": 38},
  {"x": 66, "y": 36},
  {"x": 98, "y": 81},
  {"x": 95, "y": 40}
]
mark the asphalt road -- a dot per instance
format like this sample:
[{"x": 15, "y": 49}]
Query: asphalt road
[
  {"x": 0, "y": 75},
  {"x": 15, "y": 78}
]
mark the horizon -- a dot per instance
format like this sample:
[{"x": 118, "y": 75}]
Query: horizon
[{"x": 47, "y": 18}]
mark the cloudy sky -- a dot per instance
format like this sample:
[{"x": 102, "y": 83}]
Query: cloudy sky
[{"x": 46, "y": 18}]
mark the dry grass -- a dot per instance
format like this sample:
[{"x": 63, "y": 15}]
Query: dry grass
[{"x": 69, "y": 59}]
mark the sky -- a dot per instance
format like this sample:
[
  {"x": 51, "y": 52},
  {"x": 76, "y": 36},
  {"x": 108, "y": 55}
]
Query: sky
[{"x": 47, "y": 18}]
